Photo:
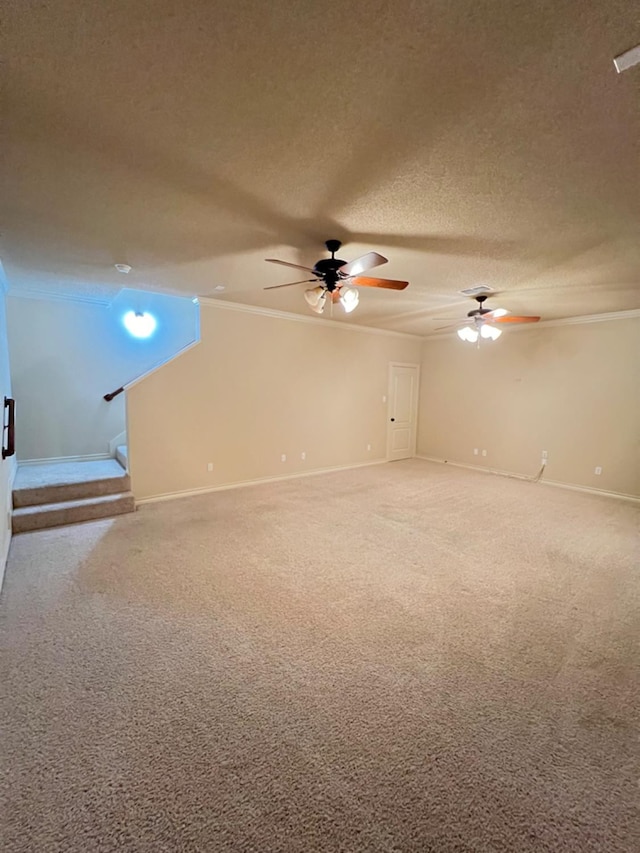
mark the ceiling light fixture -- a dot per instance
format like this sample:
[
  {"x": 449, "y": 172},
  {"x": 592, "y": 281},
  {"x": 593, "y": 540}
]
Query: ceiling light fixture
[
  {"x": 123, "y": 268},
  {"x": 139, "y": 324},
  {"x": 488, "y": 332},
  {"x": 316, "y": 298},
  {"x": 468, "y": 334},
  {"x": 349, "y": 298},
  {"x": 472, "y": 335}
]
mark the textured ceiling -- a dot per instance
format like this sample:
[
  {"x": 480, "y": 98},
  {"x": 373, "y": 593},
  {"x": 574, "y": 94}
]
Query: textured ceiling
[{"x": 470, "y": 142}]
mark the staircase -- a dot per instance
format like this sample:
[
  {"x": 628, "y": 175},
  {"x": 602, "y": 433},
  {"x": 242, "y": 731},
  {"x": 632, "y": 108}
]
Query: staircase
[
  {"x": 60, "y": 493},
  {"x": 121, "y": 456}
]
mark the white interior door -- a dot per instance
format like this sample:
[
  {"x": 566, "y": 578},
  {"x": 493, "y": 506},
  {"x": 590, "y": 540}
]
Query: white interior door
[{"x": 403, "y": 411}]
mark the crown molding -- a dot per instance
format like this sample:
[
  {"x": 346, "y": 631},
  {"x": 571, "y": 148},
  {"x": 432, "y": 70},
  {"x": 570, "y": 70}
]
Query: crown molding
[
  {"x": 48, "y": 296},
  {"x": 593, "y": 318},
  {"x": 631, "y": 314},
  {"x": 210, "y": 302}
]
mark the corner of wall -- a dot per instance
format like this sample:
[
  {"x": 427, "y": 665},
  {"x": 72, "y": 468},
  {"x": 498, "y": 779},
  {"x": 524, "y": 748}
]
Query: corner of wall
[
  {"x": 6, "y": 540},
  {"x": 8, "y": 467}
]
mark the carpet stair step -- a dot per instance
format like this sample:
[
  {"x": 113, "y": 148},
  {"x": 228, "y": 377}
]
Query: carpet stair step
[
  {"x": 54, "y": 493},
  {"x": 54, "y": 514},
  {"x": 68, "y": 483}
]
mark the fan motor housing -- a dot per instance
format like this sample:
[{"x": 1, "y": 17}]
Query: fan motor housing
[{"x": 327, "y": 269}]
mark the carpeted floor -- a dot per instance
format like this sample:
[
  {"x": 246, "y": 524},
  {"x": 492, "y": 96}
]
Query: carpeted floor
[{"x": 406, "y": 657}]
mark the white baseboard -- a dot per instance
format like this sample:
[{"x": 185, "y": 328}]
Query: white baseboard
[
  {"x": 5, "y": 556},
  {"x": 3, "y": 559},
  {"x": 571, "y": 486},
  {"x": 89, "y": 457},
  {"x": 188, "y": 493}
]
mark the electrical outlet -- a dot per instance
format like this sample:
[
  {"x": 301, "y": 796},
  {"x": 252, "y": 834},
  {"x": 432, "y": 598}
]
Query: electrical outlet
[
  {"x": 209, "y": 466},
  {"x": 303, "y": 455},
  {"x": 283, "y": 458},
  {"x": 598, "y": 470},
  {"x": 368, "y": 447},
  {"x": 475, "y": 451},
  {"x": 484, "y": 452},
  {"x": 545, "y": 454}
]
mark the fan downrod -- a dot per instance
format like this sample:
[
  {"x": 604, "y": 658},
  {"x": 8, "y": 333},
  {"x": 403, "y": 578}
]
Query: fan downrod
[
  {"x": 478, "y": 312},
  {"x": 333, "y": 246}
]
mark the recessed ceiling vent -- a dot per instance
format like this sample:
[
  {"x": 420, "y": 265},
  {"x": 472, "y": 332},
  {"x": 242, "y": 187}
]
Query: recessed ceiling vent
[
  {"x": 628, "y": 59},
  {"x": 478, "y": 290}
]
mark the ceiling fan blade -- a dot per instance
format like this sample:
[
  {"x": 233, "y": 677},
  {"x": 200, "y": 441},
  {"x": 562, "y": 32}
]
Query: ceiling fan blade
[
  {"x": 365, "y": 262},
  {"x": 287, "y": 264},
  {"x": 389, "y": 283},
  {"x": 511, "y": 319},
  {"x": 493, "y": 315},
  {"x": 290, "y": 284},
  {"x": 459, "y": 324}
]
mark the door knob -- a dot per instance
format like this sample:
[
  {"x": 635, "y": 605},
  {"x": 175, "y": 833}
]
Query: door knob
[{"x": 393, "y": 419}]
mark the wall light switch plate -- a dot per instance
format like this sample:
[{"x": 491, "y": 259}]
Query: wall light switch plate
[
  {"x": 209, "y": 466},
  {"x": 283, "y": 458},
  {"x": 484, "y": 452},
  {"x": 598, "y": 470},
  {"x": 368, "y": 447},
  {"x": 303, "y": 456},
  {"x": 475, "y": 451}
]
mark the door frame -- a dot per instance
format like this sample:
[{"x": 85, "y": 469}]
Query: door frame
[{"x": 416, "y": 407}]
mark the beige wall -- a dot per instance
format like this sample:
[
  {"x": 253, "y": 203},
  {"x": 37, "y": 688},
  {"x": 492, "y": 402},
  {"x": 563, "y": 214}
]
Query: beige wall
[
  {"x": 6, "y": 465},
  {"x": 66, "y": 355},
  {"x": 572, "y": 390},
  {"x": 257, "y": 387}
]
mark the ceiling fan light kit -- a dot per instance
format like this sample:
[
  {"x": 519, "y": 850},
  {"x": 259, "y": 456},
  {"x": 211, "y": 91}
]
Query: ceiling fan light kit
[
  {"x": 468, "y": 334},
  {"x": 488, "y": 332},
  {"x": 349, "y": 298},
  {"x": 340, "y": 279},
  {"x": 315, "y": 298}
]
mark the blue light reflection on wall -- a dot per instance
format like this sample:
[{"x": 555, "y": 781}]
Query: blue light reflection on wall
[{"x": 147, "y": 328}]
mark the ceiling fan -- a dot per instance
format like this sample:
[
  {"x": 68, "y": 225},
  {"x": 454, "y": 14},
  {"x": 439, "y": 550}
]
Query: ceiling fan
[
  {"x": 481, "y": 322},
  {"x": 337, "y": 279}
]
